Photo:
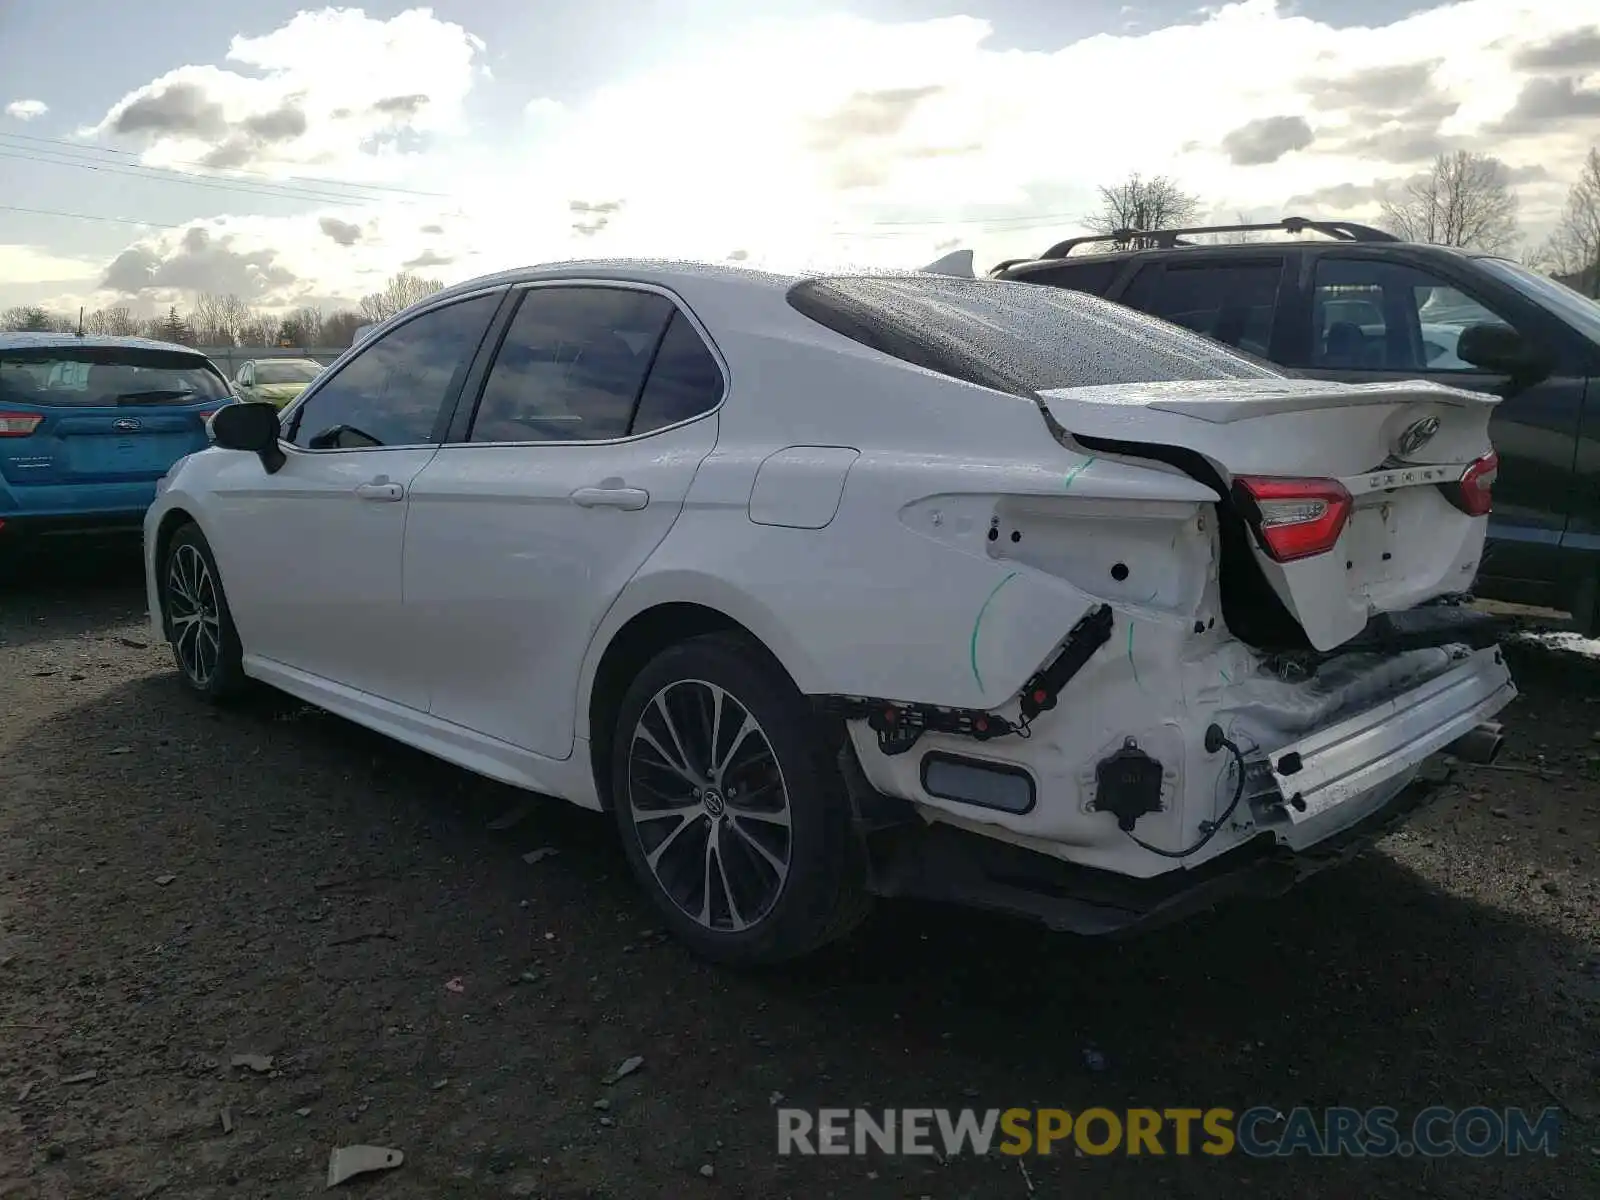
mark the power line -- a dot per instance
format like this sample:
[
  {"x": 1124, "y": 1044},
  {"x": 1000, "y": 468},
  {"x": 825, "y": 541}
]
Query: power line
[
  {"x": 186, "y": 181},
  {"x": 55, "y": 212},
  {"x": 371, "y": 187}
]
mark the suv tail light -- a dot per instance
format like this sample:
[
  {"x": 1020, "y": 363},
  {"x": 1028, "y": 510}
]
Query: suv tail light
[
  {"x": 1472, "y": 493},
  {"x": 15, "y": 424},
  {"x": 1293, "y": 518}
]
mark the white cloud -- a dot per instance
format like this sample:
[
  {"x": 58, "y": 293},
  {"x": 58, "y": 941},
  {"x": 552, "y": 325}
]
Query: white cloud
[
  {"x": 836, "y": 138},
  {"x": 36, "y": 264},
  {"x": 27, "y": 110}
]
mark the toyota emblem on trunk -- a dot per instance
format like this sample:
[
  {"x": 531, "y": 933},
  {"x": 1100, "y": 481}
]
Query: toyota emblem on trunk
[
  {"x": 1416, "y": 436},
  {"x": 128, "y": 425}
]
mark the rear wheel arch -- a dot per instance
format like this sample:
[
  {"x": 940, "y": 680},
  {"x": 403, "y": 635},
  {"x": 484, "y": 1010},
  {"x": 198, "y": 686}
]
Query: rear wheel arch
[{"x": 639, "y": 640}]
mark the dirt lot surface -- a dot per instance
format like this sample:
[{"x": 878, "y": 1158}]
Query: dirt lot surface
[{"x": 178, "y": 887}]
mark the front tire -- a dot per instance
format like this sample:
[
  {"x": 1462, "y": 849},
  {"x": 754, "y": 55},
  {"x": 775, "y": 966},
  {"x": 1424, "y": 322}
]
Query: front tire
[
  {"x": 732, "y": 814},
  {"x": 205, "y": 644}
]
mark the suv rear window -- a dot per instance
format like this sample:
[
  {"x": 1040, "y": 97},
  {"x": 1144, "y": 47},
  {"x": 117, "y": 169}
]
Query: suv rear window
[
  {"x": 1013, "y": 337},
  {"x": 106, "y": 377}
]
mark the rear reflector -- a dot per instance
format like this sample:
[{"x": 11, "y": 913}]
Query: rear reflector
[
  {"x": 974, "y": 781},
  {"x": 1293, "y": 518},
  {"x": 1473, "y": 493},
  {"x": 18, "y": 424}
]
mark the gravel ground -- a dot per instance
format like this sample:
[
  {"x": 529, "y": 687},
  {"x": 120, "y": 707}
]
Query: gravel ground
[{"x": 178, "y": 887}]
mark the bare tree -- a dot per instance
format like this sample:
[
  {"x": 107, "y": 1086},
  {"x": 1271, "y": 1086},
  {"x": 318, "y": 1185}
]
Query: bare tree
[
  {"x": 1142, "y": 205},
  {"x": 303, "y": 327},
  {"x": 219, "y": 320},
  {"x": 1241, "y": 238},
  {"x": 401, "y": 292},
  {"x": 1573, "y": 249},
  {"x": 260, "y": 329},
  {"x": 117, "y": 321},
  {"x": 340, "y": 327},
  {"x": 1464, "y": 199},
  {"x": 27, "y": 318}
]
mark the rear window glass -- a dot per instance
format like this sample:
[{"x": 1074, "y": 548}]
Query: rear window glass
[
  {"x": 1014, "y": 337},
  {"x": 290, "y": 371},
  {"x": 94, "y": 377}
]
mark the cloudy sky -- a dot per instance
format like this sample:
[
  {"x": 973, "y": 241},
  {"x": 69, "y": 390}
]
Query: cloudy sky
[{"x": 295, "y": 155}]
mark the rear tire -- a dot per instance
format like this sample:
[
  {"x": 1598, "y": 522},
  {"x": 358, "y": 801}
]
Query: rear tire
[
  {"x": 733, "y": 814},
  {"x": 200, "y": 630}
]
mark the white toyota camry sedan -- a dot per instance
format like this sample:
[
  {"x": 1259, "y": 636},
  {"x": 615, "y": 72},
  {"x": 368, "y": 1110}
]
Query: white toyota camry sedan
[{"x": 834, "y": 587}]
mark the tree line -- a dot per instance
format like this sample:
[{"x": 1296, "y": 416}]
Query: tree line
[
  {"x": 226, "y": 320},
  {"x": 1464, "y": 199}
]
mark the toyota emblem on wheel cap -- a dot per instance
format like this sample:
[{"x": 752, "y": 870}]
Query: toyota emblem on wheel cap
[
  {"x": 128, "y": 425},
  {"x": 1416, "y": 435}
]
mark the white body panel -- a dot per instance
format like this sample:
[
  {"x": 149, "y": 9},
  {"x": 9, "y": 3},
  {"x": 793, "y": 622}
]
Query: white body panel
[{"x": 839, "y": 507}]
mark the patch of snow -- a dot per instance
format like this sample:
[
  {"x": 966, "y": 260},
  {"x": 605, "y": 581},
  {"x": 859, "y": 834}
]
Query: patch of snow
[{"x": 1571, "y": 642}]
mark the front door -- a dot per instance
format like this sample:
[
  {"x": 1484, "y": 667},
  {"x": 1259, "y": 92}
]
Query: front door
[
  {"x": 1376, "y": 319},
  {"x": 593, "y": 419},
  {"x": 311, "y": 555}
]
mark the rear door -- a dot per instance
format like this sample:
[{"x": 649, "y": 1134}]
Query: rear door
[
  {"x": 1369, "y": 319},
  {"x": 559, "y": 483}
]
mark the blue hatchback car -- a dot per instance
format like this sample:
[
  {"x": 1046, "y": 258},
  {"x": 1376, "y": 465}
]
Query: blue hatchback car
[{"x": 89, "y": 424}]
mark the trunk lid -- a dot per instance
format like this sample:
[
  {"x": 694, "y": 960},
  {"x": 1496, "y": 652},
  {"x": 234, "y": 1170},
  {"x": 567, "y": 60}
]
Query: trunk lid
[
  {"x": 99, "y": 445},
  {"x": 1383, "y": 461}
]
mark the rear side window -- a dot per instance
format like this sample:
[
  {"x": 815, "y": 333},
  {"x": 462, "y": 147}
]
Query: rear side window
[
  {"x": 1095, "y": 277},
  {"x": 572, "y": 365},
  {"x": 1013, "y": 337},
  {"x": 1234, "y": 303},
  {"x": 106, "y": 377},
  {"x": 684, "y": 382}
]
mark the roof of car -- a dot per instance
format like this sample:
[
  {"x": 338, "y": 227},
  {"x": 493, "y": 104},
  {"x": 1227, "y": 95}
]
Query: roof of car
[
  {"x": 652, "y": 270},
  {"x": 57, "y": 341}
]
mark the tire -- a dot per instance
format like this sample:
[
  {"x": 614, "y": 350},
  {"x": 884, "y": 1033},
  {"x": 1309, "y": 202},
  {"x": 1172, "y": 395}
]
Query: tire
[
  {"x": 192, "y": 599},
  {"x": 759, "y": 877}
]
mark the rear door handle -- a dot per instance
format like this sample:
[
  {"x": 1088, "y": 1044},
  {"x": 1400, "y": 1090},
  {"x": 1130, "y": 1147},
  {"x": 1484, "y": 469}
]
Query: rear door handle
[
  {"x": 611, "y": 497},
  {"x": 380, "y": 491}
]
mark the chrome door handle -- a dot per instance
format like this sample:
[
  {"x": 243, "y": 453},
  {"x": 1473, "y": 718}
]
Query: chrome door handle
[
  {"x": 380, "y": 491},
  {"x": 628, "y": 498}
]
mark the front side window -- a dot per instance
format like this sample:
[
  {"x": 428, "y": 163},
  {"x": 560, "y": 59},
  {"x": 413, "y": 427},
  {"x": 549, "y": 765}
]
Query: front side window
[
  {"x": 1233, "y": 303},
  {"x": 391, "y": 393},
  {"x": 572, "y": 365},
  {"x": 1371, "y": 315}
]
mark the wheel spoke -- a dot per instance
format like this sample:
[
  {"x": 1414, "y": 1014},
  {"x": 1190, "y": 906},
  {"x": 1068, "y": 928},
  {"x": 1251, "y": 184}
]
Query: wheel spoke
[
  {"x": 772, "y": 860},
  {"x": 715, "y": 846},
  {"x": 690, "y": 767},
  {"x": 778, "y": 817},
  {"x": 684, "y": 821},
  {"x": 746, "y": 729},
  {"x": 666, "y": 760}
]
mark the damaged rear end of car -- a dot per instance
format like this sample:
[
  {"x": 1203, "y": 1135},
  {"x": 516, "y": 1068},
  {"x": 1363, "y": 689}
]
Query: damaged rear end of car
[{"x": 1257, "y": 584}]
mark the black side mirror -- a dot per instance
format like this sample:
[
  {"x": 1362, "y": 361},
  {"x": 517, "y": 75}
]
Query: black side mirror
[
  {"x": 1500, "y": 348},
  {"x": 253, "y": 427}
]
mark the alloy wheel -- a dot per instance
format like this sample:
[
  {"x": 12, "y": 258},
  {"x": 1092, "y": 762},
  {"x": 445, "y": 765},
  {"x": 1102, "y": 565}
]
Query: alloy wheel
[
  {"x": 709, "y": 805},
  {"x": 194, "y": 615}
]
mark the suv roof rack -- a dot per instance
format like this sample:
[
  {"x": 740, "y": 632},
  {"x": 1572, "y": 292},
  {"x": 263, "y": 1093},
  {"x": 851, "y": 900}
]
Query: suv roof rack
[{"x": 1165, "y": 239}]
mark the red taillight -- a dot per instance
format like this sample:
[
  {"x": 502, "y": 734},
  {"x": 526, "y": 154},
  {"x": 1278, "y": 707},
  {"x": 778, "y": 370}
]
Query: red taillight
[
  {"x": 1293, "y": 518},
  {"x": 15, "y": 424},
  {"x": 206, "y": 414},
  {"x": 1472, "y": 495}
]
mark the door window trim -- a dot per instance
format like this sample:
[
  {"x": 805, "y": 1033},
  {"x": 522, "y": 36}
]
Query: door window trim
[
  {"x": 461, "y": 427},
  {"x": 441, "y": 423}
]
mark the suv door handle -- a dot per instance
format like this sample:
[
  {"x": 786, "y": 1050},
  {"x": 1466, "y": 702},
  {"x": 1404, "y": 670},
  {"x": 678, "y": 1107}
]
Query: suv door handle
[
  {"x": 628, "y": 498},
  {"x": 380, "y": 491}
]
